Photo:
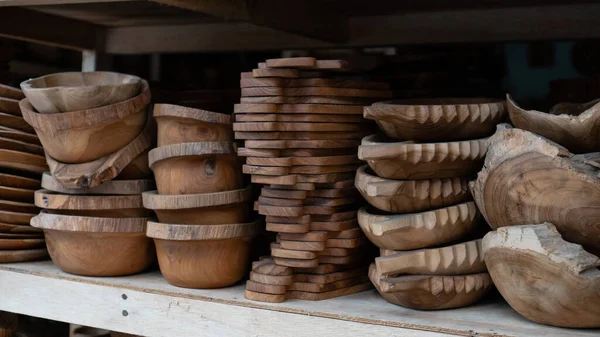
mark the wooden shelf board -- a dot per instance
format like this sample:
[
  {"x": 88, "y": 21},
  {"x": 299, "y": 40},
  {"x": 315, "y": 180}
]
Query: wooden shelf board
[{"x": 146, "y": 304}]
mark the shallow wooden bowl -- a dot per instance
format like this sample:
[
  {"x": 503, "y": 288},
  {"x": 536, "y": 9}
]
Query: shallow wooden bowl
[
  {"x": 110, "y": 187},
  {"x": 74, "y": 91},
  {"x": 407, "y": 196},
  {"x": 86, "y": 135},
  {"x": 178, "y": 124},
  {"x": 103, "y": 206},
  {"x": 409, "y": 160},
  {"x": 202, "y": 209},
  {"x": 212, "y": 256},
  {"x": 93, "y": 246},
  {"x": 192, "y": 168},
  {"x": 443, "y": 119}
]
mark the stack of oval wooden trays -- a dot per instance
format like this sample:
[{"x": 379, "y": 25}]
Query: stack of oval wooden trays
[
  {"x": 204, "y": 231},
  {"x": 96, "y": 131},
  {"x": 21, "y": 164},
  {"x": 419, "y": 198},
  {"x": 301, "y": 123}
]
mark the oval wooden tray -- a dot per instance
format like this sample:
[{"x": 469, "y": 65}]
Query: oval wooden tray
[
  {"x": 11, "y": 92},
  {"x": 406, "y": 196},
  {"x": 13, "y": 256},
  {"x": 87, "y": 135},
  {"x": 74, "y": 91},
  {"x": 333, "y": 109},
  {"x": 105, "y": 206},
  {"x": 16, "y": 145},
  {"x": 10, "y": 106},
  {"x": 19, "y": 135},
  {"x": 21, "y": 244},
  {"x": 111, "y": 187},
  {"x": 408, "y": 160},
  {"x": 22, "y": 161},
  {"x": 20, "y": 207},
  {"x": 445, "y": 119}
]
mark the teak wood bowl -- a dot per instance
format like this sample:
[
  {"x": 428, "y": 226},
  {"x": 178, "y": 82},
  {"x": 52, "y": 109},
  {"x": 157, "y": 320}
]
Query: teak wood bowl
[
  {"x": 192, "y": 168},
  {"x": 103, "y": 206},
  {"x": 443, "y": 119},
  {"x": 178, "y": 124},
  {"x": 74, "y": 91},
  {"x": 409, "y": 160},
  {"x": 407, "y": 196},
  {"x": 86, "y": 135},
  {"x": 93, "y": 246},
  {"x": 109, "y": 187},
  {"x": 202, "y": 209},
  {"x": 212, "y": 256}
]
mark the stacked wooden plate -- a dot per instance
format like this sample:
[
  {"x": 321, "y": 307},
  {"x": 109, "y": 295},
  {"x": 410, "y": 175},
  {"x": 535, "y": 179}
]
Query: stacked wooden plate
[
  {"x": 96, "y": 132},
  {"x": 301, "y": 123},
  {"x": 21, "y": 164},
  {"x": 204, "y": 232},
  {"x": 416, "y": 181}
]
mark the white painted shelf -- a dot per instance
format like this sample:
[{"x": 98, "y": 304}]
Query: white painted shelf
[{"x": 146, "y": 304}]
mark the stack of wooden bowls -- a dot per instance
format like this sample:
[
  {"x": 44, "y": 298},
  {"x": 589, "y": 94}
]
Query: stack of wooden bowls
[
  {"x": 21, "y": 163},
  {"x": 204, "y": 231},
  {"x": 96, "y": 132},
  {"x": 301, "y": 123},
  {"x": 416, "y": 181}
]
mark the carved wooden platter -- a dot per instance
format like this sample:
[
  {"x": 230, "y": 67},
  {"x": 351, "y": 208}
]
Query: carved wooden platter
[
  {"x": 274, "y": 153},
  {"x": 111, "y": 187},
  {"x": 311, "y": 82},
  {"x": 314, "y": 91},
  {"x": 22, "y": 161},
  {"x": 331, "y": 109},
  {"x": 15, "y": 122},
  {"x": 13, "y": 256},
  {"x": 10, "y": 180}
]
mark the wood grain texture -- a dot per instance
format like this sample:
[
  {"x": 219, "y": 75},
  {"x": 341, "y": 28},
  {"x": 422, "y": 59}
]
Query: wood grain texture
[
  {"x": 262, "y": 108},
  {"x": 16, "y": 206},
  {"x": 14, "y": 256},
  {"x": 318, "y": 146},
  {"x": 307, "y": 100},
  {"x": 307, "y": 63},
  {"x": 21, "y": 244},
  {"x": 298, "y": 118},
  {"x": 14, "y": 193},
  {"x": 106, "y": 206},
  {"x": 306, "y": 161},
  {"x": 21, "y": 136},
  {"x": 116, "y": 187},
  {"x": 182, "y": 232},
  {"x": 11, "y": 92},
  {"x": 300, "y": 178},
  {"x": 15, "y": 123},
  {"x": 295, "y": 127},
  {"x": 16, "y": 218},
  {"x": 17, "y": 145},
  {"x": 70, "y": 223},
  {"x": 10, "y": 106},
  {"x": 314, "y": 91},
  {"x": 311, "y": 82},
  {"x": 16, "y": 228},
  {"x": 273, "y": 153},
  {"x": 543, "y": 277},
  {"x": 302, "y": 169},
  {"x": 22, "y": 161},
  {"x": 300, "y": 135}
]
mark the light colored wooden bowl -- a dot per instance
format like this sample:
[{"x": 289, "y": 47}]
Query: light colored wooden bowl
[
  {"x": 407, "y": 196},
  {"x": 444, "y": 119},
  {"x": 74, "y": 91},
  {"x": 92, "y": 246},
  {"x": 178, "y": 124},
  {"x": 543, "y": 277},
  {"x": 409, "y": 160},
  {"x": 109, "y": 187},
  {"x": 86, "y": 135},
  {"x": 192, "y": 168},
  {"x": 103, "y": 206},
  {"x": 212, "y": 256},
  {"x": 202, "y": 209}
]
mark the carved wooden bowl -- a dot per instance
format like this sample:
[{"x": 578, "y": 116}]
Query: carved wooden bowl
[
  {"x": 93, "y": 246},
  {"x": 192, "y": 168},
  {"x": 443, "y": 119},
  {"x": 407, "y": 196},
  {"x": 211, "y": 256},
  {"x": 103, "y": 206},
  {"x": 74, "y": 91},
  {"x": 202, "y": 209},
  {"x": 86, "y": 135},
  {"x": 178, "y": 124},
  {"x": 409, "y": 160}
]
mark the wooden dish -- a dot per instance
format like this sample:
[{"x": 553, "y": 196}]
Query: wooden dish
[
  {"x": 19, "y": 229},
  {"x": 178, "y": 124},
  {"x": 208, "y": 208},
  {"x": 16, "y": 218},
  {"x": 406, "y": 196},
  {"x": 16, "y": 123},
  {"x": 10, "y": 106},
  {"x": 110, "y": 187},
  {"x": 11, "y": 92},
  {"x": 74, "y": 91},
  {"x": 86, "y": 135},
  {"x": 10, "y": 180},
  {"x": 211, "y": 256},
  {"x": 543, "y": 277},
  {"x": 19, "y": 135},
  {"x": 409, "y": 160},
  {"x": 14, "y": 256},
  {"x": 21, "y": 244},
  {"x": 192, "y": 168},
  {"x": 15, "y": 206},
  {"x": 22, "y": 161},
  {"x": 446, "y": 119},
  {"x": 103, "y": 206},
  {"x": 93, "y": 246},
  {"x": 17, "y": 145},
  {"x": 16, "y": 194}
]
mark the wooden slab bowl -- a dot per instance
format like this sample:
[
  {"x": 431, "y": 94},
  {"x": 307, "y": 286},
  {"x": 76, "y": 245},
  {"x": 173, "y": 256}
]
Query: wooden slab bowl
[
  {"x": 406, "y": 196},
  {"x": 427, "y": 120},
  {"x": 192, "y": 168},
  {"x": 22, "y": 161},
  {"x": 74, "y": 91},
  {"x": 543, "y": 277},
  {"x": 93, "y": 246},
  {"x": 103, "y": 206},
  {"x": 110, "y": 187},
  {"x": 178, "y": 124},
  {"x": 211, "y": 256},
  {"x": 409, "y": 160},
  {"x": 208, "y": 208},
  {"x": 86, "y": 135}
]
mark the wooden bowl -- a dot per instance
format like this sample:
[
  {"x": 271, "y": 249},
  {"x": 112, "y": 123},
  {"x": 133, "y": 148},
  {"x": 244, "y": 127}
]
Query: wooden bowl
[
  {"x": 407, "y": 196},
  {"x": 543, "y": 277},
  {"x": 409, "y": 160},
  {"x": 178, "y": 124},
  {"x": 192, "y": 168},
  {"x": 203, "y": 209},
  {"x": 74, "y": 91},
  {"x": 103, "y": 206},
  {"x": 86, "y": 135},
  {"x": 92, "y": 246},
  {"x": 109, "y": 187},
  {"x": 445, "y": 119},
  {"x": 212, "y": 256}
]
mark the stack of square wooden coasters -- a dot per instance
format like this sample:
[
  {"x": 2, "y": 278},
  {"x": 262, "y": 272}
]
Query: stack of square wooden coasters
[{"x": 301, "y": 123}]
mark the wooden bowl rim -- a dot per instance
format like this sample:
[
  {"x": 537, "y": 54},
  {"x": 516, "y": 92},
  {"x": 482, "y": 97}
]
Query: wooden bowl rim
[
  {"x": 96, "y": 202},
  {"x": 74, "y": 223},
  {"x": 179, "y": 232},
  {"x": 153, "y": 200},
  {"x": 172, "y": 110},
  {"x": 123, "y": 79},
  {"x": 143, "y": 185},
  {"x": 190, "y": 149}
]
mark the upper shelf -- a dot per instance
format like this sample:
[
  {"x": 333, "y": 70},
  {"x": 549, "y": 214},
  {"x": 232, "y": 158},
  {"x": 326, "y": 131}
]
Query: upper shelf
[{"x": 154, "y": 26}]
